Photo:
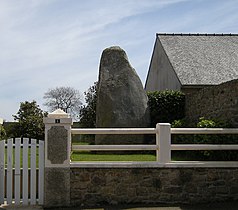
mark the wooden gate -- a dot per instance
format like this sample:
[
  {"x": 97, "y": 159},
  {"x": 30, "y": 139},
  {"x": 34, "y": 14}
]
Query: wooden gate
[{"x": 21, "y": 171}]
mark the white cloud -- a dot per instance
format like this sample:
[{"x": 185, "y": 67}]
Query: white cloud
[{"x": 53, "y": 42}]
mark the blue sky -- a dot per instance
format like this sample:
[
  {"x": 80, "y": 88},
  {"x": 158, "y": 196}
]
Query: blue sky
[{"x": 50, "y": 43}]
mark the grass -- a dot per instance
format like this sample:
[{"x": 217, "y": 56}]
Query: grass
[
  {"x": 105, "y": 156},
  {"x": 21, "y": 157},
  {"x": 108, "y": 156},
  {"x": 93, "y": 156},
  {"x": 88, "y": 156}
]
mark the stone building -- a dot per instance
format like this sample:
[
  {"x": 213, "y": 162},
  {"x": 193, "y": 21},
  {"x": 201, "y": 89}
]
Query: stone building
[{"x": 189, "y": 62}]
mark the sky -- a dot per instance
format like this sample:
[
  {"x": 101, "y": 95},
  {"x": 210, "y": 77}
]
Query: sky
[{"x": 53, "y": 43}]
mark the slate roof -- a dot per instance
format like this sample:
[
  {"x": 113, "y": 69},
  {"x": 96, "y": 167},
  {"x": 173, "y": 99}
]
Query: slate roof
[{"x": 202, "y": 59}]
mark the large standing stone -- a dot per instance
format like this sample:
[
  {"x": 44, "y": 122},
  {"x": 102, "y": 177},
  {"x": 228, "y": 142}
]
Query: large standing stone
[{"x": 122, "y": 101}]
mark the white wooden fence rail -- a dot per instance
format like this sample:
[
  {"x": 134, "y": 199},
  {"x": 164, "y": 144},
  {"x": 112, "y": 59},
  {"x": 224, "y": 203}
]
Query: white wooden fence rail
[
  {"x": 163, "y": 144},
  {"x": 15, "y": 185}
]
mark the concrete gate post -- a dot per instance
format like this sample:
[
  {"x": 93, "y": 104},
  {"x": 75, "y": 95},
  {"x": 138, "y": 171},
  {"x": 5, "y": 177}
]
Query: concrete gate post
[{"x": 57, "y": 159}]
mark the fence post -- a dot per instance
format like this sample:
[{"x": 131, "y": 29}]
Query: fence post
[
  {"x": 163, "y": 141},
  {"x": 57, "y": 159}
]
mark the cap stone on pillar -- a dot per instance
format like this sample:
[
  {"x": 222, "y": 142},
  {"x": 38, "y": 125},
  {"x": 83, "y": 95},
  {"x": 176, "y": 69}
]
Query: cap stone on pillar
[
  {"x": 58, "y": 117},
  {"x": 58, "y": 113}
]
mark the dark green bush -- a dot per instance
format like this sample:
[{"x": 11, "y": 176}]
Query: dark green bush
[
  {"x": 166, "y": 106},
  {"x": 216, "y": 139},
  {"x": 206, "y": 139},
  {"x": 87, "y": 113},
  {"x": 2, "y": 132},
  {"x": 181, "y": 123}
]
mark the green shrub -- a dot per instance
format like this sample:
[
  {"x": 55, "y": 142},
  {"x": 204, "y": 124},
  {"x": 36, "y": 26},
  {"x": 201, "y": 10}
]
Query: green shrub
[
  {"x": 87, "y": 113},
  {"x": 180, "y": 138},
  {"x": 181, "y": 123},
  {"x": 212, "y": 123},
  {"x": 2, "y": 132},
  {"x": 213, "y": 138},
  {"x": 216, "y": 139},
  {"x": 206, "y": 139},
  {"x": 166, "y": 106}
]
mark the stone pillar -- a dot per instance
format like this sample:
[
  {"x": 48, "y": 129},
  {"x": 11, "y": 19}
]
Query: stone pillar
[{"x": 57, "y": 159}]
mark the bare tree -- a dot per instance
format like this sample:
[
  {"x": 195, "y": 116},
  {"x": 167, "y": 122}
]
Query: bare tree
[{"x": 65, "y": 98}]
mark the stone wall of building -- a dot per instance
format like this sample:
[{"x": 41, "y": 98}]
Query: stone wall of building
[
  {"x": 111, "y": 186},
  {"x": 219, "y": 102}
]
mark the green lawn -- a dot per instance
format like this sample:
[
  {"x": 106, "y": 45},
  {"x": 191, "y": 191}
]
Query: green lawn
[
  {"x": 92, "y": 156},
  {"x": 88, "y": 156},
  {"x": 21, "y": 157},
  {"x": 106, "y": 156}
]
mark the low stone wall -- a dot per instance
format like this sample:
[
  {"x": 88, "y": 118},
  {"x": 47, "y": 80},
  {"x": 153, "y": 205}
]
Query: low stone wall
[
  {"x": 219, "y": 102},
  {"x": 111, "y": 186}
]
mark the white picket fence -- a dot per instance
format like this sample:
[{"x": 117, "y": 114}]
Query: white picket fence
[{"x": 17, "y": 185}]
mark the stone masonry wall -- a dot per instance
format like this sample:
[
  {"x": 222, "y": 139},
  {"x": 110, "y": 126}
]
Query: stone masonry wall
[
  {"x": 111, "y": 186},
  {"x": 219, "y": 102}
]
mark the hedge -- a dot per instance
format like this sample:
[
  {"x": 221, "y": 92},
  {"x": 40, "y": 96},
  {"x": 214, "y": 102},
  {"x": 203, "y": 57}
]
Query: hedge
[
  {"x": 224, "y": 155},
  {"x": 166, "y": 106}
]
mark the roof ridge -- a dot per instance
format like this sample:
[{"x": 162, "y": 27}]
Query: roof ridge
[{"x": 195, "y": 34}]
